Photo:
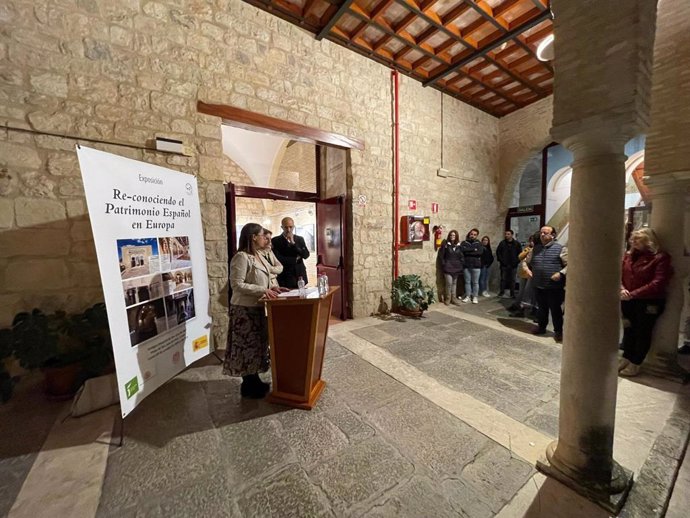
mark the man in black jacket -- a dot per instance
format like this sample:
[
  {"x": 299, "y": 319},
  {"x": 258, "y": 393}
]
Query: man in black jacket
[
  {"x": 291, "y": 251},
  {"x": 508, "y": 253}
]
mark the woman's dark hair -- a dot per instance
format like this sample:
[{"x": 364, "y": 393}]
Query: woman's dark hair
[
  {"x": 457, "y": 237},
  {"x": 248, "y": 231},
  {"x": 536, "y": 237},
  {"x": 472, "y": 230},
  {"x": 488, "y": 239}
]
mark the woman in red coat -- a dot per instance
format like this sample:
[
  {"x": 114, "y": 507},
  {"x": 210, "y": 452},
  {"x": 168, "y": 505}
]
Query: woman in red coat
[{"x": 646, "y": 274}]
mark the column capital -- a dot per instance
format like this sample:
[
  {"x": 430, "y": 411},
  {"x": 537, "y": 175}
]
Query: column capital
[{"x": 601, "y": 134}]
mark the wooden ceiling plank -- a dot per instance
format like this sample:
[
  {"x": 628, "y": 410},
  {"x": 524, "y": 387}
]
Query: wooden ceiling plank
[
  {"x": 382, "y": 41},
  {"x": 286, "y": 15},
  {"x": 434, "y": 20},
  {"x": 401, "y": 53},
  {"x": 380, "y": 8},
  {"x": 295, "y": 9},
  {"x": 308, "y": 6},
  {"x": 505, "y": 6},
  {"x": 541, "y": 4},
  {"x": 405, "y": 22},
  {"x": 454, "y": 13},
  {"x": 525, "y": 17},
  {"x": 344, "y": 7},
  {"x": 473, "y": 27},
  {"x": 426, "y": 34},
  {"x": 359, "y": 30},
  {"x": 538, "y": 35},
  {"x": 485, "y": 53},
  {"x": 485, "y": 11}
]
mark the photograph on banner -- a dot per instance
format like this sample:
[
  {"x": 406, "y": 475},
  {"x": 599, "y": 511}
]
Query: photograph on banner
[{"x": 146, "y": 223}]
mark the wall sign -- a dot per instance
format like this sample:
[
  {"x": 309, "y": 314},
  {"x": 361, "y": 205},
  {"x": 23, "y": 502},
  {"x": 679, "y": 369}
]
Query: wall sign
[
  {"x": 362, "y": 200},
  {"x": 434, "y": 208},
  {"x": 412, "y": 204}
]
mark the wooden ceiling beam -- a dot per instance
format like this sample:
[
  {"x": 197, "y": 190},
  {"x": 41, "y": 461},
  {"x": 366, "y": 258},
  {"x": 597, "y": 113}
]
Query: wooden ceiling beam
[
  {"x": 405, "y": 22},
  {"x": 344, "y": 7},
  {"x": 539, "y": 35},
  {"x": 541, "y": 4},
  {"x": 287, "y": 15}
]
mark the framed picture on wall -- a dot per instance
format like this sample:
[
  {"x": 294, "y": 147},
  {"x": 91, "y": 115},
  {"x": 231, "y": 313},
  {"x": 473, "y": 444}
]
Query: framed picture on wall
[{"x": 307, "y": 232}]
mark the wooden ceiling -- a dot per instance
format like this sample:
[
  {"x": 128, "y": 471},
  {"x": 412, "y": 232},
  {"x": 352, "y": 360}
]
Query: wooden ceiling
[{"x": 482, "y": 52}]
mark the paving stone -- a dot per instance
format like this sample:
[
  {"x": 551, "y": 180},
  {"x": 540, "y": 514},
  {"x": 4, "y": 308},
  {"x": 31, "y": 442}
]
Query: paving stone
[
  {"x": 334, "y": 349},
  {"x": 419, "y": 497},
  {"x": 374, "y": 335},
  {"x": 13, "y": 472},
  {"x": 361, "y": 385},
  {"x": 311, "y": 436},
  {"x": 360, "y": 473},
  {"x": 138, "y": 470},
  {"x": 497, "y": 475},
  {"x": 465, "y": 327},
  {"x": 428, "y": 435},
  {"x": 465, "y": 499},
  {"x": 402, "y": 328},
  {"x": 288, "y": 493},
  {"x": 350, "y": 424},
  {"x": 253, "y": 448},
  {"x": 439, "y": 318}
]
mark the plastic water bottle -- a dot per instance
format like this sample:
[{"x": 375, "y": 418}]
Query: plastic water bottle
[
  {"x": 325, "y": 284},
  {"x": 301, "y": 288}
]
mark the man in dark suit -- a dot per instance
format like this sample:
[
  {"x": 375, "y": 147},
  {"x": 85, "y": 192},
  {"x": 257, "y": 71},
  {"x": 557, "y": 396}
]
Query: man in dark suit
[{"x": 291, "y": 251}]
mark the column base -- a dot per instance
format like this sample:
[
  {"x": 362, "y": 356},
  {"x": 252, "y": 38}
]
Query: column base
[
  {"x": 665, "y": 366},
  {"x": 610, "y": 497}
]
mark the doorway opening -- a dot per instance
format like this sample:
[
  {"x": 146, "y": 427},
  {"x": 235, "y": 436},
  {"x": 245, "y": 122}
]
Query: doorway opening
[{"x": 274, "y": 169}]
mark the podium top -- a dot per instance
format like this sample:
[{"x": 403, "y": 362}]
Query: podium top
[{"x": 293, "y": 295}]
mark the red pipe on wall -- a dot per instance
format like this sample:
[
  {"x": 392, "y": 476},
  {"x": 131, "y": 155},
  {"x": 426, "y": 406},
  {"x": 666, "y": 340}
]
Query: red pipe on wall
[{"x": 396, "y": 167}]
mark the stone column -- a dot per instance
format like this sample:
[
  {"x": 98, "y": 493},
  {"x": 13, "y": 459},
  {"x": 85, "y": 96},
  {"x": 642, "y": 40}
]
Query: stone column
[
  {"x": 582, "y": 458},
  {"x": 668, "y": 221}
]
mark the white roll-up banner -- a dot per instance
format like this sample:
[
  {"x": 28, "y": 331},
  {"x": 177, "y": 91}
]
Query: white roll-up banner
[{"x": 146, "y": 223}]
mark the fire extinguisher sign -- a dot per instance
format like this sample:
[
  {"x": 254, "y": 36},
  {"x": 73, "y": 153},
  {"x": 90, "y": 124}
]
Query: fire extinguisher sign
[
  {"x": 434, "y": 208},
  {"x": 412, "y": 204}
]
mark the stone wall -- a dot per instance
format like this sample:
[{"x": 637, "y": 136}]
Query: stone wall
[
  {"x": 466, "y": 199},
  {"x": 130, "y": 70},
  {"x": 521, "y": 134}
]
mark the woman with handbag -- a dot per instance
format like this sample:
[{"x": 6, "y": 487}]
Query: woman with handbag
[{"x": 250, "y": 280}]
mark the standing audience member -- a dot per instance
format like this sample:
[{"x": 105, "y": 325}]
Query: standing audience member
[
  {"x": 250, "y": 280},
  {"x": 525, "y": 297},
  {"x": 487, "y": 261},
  {"x": 440, "y": 278},
  {"x": 291, "y": 251},
  {"x": 452, "y": 264},
  {"x": 645, "y": 276},
  {"x": 472, "y": 251},
  {"x": 274, "y": 266},
  {"x": 548, "y": 263},
  {"x": 507, "y": 253}
]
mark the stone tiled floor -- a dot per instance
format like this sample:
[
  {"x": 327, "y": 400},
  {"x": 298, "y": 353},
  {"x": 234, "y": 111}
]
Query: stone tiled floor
[{"x": 390, "y": 437}]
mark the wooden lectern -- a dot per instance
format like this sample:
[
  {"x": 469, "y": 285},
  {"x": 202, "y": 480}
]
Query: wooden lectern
[{"x": 297, "y": 330}]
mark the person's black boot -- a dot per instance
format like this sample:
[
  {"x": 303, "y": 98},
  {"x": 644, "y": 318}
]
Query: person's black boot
[{"x": 252, "y": 387}]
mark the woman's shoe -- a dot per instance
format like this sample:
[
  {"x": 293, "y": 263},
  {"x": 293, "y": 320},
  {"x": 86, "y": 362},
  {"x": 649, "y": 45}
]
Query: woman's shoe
[
  {"x": 630, "y": 371},
  {"x": 253, "y": 388},
  {"x": 622, "y": 364},
  {"x": 465, "y": 299},
  {"x": 486, "y": 294}
]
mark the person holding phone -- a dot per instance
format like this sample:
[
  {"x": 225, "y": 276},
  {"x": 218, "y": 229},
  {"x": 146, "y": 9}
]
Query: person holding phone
[{"x": 291, "y": 251}]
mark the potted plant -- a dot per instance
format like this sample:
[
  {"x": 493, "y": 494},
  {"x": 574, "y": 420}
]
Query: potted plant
[
  {"x": 410, "y": 296},
  {"x": 67, "y": 348}
]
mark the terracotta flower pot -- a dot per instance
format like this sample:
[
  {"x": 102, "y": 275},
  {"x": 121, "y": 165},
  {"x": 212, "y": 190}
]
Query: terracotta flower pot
[
  {"x": 61, "y": 383},
  {"x": 415, "y": 313}
]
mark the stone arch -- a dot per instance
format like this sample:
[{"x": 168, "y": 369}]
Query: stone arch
[{"x": 516, "y": 171}]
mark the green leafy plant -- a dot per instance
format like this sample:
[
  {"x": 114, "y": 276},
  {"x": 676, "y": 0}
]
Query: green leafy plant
[
  {"x": 40, "y": 340},
  {"x": 411, "y": 293}
]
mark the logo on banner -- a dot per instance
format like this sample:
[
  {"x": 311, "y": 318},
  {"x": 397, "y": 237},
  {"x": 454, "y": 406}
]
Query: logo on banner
[
  {"x": 132, "y": 387},
  {"x": 200, "y": 343}
]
